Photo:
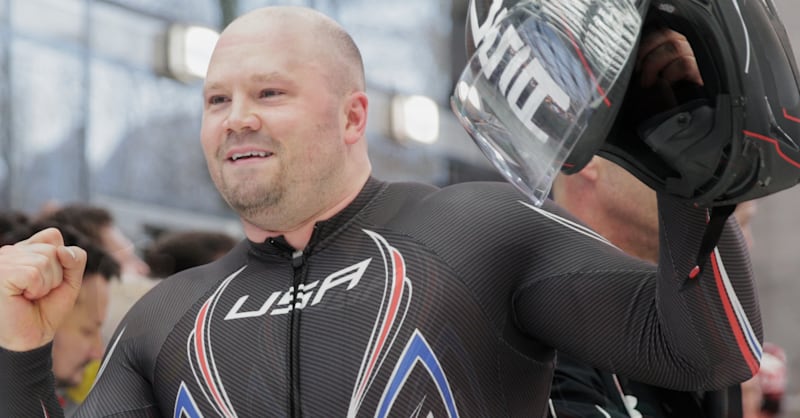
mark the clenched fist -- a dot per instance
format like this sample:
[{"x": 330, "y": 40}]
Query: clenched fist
[{"x": 40, "y": 280}]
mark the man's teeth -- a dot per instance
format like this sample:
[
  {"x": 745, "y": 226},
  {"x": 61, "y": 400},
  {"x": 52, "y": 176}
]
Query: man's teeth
[{"x": 261, "y": 154}]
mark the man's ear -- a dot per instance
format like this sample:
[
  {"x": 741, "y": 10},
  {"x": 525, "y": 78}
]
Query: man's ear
[{"x": 355, "y": 117}]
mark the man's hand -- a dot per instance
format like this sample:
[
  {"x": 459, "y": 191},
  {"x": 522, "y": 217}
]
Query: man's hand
[
  {"x": 40, "y": 280},
  {"x": 666, "y": 54}
]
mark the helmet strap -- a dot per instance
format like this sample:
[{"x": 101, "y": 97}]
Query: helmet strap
[{"x": 714, "y": 226}]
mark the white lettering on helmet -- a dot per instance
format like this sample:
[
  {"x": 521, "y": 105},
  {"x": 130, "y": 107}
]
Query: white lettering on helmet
[
  {"x": 495, "y": 14},
  {"x": 527, "y": 69}
]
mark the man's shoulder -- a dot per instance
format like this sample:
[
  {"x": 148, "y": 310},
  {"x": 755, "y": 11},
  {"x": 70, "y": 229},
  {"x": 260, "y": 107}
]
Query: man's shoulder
[
  {"x": 476, "y": 193},
  {"x": 458, "y": 211}
]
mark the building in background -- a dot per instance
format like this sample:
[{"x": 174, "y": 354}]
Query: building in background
[{"x": 88, "y": 110}]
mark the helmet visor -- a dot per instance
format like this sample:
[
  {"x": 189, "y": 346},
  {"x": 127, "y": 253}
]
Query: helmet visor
[{"x": 538, "y": 72}]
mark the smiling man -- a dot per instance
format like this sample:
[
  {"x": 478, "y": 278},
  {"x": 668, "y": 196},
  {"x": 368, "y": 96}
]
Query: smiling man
[{"x": 352, "y": 296}]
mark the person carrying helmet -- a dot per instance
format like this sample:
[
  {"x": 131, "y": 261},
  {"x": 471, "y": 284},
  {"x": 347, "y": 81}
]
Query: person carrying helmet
[
  {"x": 676, "y": 134},
  {"x": 352, "y": 296}
]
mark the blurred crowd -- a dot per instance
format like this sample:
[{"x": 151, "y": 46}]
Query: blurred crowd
[{"x": 117, "y": 274}]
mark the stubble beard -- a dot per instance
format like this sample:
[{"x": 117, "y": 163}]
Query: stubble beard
[{"x": 252, "y": 198}]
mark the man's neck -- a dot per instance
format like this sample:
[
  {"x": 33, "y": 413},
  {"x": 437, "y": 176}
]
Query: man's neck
[{"x": 299, "y": 237}]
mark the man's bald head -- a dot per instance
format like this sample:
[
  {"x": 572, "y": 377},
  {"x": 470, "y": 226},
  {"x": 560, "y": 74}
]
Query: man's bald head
[{"x": 307, "y": 28}]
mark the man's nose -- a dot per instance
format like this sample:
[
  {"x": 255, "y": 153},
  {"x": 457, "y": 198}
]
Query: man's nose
[{"x": 242, "y": 117}]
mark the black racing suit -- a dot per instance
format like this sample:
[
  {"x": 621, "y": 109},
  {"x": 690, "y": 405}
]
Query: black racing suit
[{"x": 418, "y": 301}]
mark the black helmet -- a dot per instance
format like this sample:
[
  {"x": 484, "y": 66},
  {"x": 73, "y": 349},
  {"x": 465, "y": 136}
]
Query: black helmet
[{"x": 734, "y": 139}]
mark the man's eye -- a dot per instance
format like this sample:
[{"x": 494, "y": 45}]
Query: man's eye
[
  {"x": 216, "y": 100},
  {"x": 270, "y": 93}
]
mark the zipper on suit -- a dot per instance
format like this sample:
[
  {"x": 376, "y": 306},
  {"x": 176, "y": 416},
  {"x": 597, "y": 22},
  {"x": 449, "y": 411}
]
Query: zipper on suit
[
  {"x": 298, "y": 264},
  {"x": 298, "y": 279}
]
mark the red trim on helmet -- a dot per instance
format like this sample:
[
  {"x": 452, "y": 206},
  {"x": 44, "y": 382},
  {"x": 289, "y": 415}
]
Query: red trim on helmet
[
  {"x": 790, "y": 117},
  {"x": 773, "y": 142}
]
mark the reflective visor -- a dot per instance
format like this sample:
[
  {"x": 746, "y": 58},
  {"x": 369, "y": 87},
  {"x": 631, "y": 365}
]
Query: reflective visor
[{"x": 539, "y": 71}]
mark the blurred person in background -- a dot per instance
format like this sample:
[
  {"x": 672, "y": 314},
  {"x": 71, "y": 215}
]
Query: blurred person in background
[
  {"x": 622, "y": 209},
  {"x": 97, "y": 223},
  {"x": 175, "y": 251}
]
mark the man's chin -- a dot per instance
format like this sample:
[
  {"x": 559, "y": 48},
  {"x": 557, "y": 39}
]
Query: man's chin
[{"x": 252, "y": 202}]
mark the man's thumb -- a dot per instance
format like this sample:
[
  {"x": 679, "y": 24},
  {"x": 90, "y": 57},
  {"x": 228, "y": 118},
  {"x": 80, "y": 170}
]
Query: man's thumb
[{"x": 73, "y": 262}]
